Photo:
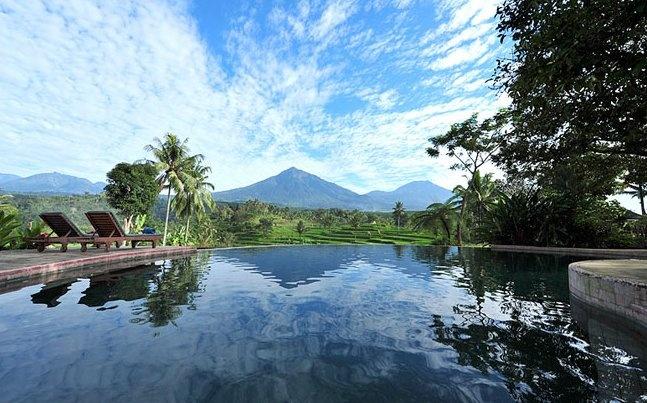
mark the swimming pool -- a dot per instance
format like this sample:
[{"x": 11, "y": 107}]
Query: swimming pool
[{"x": 319, "y": 323}]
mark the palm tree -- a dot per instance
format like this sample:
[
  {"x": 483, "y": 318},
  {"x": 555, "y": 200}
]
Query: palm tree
[
  {"x": 638, "y": 191},
  {"x": 483, "y": 193},
  {"x": 398, "y": 213},
  {"x": 195, "y": 198},
  {"x": 435, "y": 214},
  {"x": 478, "y": 197},
  {"x": 173, "y": 161},
  {"x": 459, "y": 201}
]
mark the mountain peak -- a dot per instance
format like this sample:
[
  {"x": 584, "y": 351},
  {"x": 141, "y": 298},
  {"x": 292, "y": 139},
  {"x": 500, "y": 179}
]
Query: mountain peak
[
  {"x": 50, "y": 182},
  {"x": 292, "y": 171},
  {"x": 296, "y": 188},
  {"x": 295, "y": 173}
]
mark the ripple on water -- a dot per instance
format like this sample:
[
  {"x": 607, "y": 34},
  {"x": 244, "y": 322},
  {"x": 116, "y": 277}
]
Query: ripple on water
[{"x": 376, "y": 323}]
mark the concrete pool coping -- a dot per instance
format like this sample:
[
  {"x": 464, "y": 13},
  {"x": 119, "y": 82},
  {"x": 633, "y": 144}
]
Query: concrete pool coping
[
  {"x": 592, "y": 252},
  {"x": 16, "y": 265},
  {"x": 619, "y": 286}
]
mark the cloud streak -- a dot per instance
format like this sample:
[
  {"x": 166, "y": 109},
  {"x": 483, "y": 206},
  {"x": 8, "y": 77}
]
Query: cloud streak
[{"x": 84, "y": 85}]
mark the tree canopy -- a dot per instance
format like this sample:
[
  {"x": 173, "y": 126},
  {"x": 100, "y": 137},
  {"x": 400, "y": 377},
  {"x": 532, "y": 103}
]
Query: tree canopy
[
  {"x": 577, "y": 80},
  {"x": 132, "y": 188},
  {"x": 471, "y": 143}
]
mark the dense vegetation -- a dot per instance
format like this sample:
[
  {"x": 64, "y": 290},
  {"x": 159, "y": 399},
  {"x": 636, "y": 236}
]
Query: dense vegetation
[
  {"x": 574, "y": 135},
  {"x": 232, "y": 224}
]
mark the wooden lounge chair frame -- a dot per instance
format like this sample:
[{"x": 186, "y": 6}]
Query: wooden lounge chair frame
[
  {"x": 108, "y": 231},
  {"x": 66, "y": 232}
]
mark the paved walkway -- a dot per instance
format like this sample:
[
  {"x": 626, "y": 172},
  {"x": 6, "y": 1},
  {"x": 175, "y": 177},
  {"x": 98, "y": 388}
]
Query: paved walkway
[{"x": 18, "y": 264}]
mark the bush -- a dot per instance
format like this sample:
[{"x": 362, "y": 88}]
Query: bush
[
  {"x": 9, "y": 230},
  {"x": 538, "y": 218}
]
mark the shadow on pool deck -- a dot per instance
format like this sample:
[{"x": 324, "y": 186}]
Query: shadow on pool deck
[{"x": 16, "y": 265}]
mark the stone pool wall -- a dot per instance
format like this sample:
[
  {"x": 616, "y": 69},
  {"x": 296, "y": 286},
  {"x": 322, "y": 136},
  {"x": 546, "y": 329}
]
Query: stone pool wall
[
  {"x": 610, "y": 253},
  {"x": 618, "y": 286}
]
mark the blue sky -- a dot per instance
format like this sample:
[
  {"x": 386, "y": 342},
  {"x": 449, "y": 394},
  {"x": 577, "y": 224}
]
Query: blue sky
[{"x": 347, "y": 90}]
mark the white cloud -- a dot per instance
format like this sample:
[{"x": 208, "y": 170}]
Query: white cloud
[
  {"x": 463, "y": 54},
  {"x": 84, "y": 85},
  {"x": 334, "y": 14}
]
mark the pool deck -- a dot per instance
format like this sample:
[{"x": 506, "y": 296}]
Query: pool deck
[
  {"x": 619, "y": 286},
  {"x": 591, "y": 252},
  {"x": 16, "y": 265}
]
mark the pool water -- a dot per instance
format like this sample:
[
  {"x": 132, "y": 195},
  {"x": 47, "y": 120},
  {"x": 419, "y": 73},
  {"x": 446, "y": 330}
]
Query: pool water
[{"x": 319, "y": 323}]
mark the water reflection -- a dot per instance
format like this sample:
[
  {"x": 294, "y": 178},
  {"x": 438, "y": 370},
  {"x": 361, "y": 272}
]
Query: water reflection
[
  {"x": 50, "y": 293},
  {"x": 290, "y": 266},
  {"x": 337, "y": 323},
  {"x": 161, "y": 290}
]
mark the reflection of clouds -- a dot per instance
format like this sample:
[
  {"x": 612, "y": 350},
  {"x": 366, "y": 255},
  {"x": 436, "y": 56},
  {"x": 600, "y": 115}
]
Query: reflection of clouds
[{"x": 365, "y": 323}]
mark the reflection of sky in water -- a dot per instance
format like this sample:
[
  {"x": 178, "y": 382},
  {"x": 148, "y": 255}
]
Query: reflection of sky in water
[{"x": 323, "y": 323}]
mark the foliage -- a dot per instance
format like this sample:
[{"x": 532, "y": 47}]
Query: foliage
[
  {"x": 9, "y": 230},
  {"x": 31, "y": 230},
  {"x": 530, "y": 216},
  {"x": 577, "y": 81},
  {"x": 195, "y": 198},
  {"x": 635, "y": 181},
  {"x": 73, "y": 206},
  {"x": 265, "y": 225},
  {"x": 138, "y": 223},
  {"x": 471, "y": 143},
  {"x": 132, "y": 190},
  {"x": 438, "y": 215},
  {"x": 356, "y": 218},
  {"x": 399, "y": 214},
  {"x": 301, "y": 227},
  {"x": 175, "y": 164}
]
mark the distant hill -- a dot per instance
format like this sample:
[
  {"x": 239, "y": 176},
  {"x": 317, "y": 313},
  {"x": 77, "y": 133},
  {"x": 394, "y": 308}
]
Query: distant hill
[
  {"x": 296, "y": 188},
  {"x": 415, "y": 195},
  {"x": 292, "y": 188},
  {"x": 7, "y": 177},
  {"x": 49, "y": 183}
]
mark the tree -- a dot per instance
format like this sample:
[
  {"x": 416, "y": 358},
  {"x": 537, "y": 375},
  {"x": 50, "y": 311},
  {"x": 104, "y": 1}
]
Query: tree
[
  {"x": 265, "y": 224},
  {"x": 437, "y": 214},
  {"x": 483, "y": 193},
  {"x": 132, "y": 190},
  {"x": 195, "y": 199},
  {"x": 301, "y": 227},
  {"x": 356, "y": 219},
  {"x": 9, "y": 226},
  {"x": 459, "y": 201},
  {"x": 398, "y": 213},
  {"x": 173, "y": 161},
  {"x": 636, "y": 182},
  {"x": 577, "y": 81},
  {"x": 472, "y": 144}
]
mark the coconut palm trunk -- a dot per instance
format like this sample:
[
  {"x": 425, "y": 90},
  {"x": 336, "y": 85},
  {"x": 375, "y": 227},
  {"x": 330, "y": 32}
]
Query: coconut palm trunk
[
  {"x": 168, "y": 210},
  {"x": 186, "y": 232},
  {"x": 459, "y": 224},
  {"x": 447, "y": 231}
]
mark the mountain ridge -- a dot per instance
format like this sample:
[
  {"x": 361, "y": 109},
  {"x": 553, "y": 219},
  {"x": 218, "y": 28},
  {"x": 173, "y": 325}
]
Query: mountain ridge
[
  {"x": 296, "y": 188},
  {"x": 291, "y": 187},
  {"x": 49, "y": 183}
]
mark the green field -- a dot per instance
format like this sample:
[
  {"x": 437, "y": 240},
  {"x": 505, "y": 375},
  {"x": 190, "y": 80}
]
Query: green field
[{"x": 285, "y": 233}]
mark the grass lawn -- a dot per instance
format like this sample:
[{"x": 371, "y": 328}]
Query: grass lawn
[{"x": 284, "y": 232}]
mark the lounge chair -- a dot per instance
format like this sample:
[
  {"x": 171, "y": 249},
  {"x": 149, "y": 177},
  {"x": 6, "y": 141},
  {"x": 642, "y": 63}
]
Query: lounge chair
[
  {"x": 108, "y": 231},
  {"x": 65, "y": 230}
]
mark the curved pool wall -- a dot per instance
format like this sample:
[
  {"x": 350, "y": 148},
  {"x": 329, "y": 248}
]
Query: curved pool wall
[{"x": 618, "y": 286}]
